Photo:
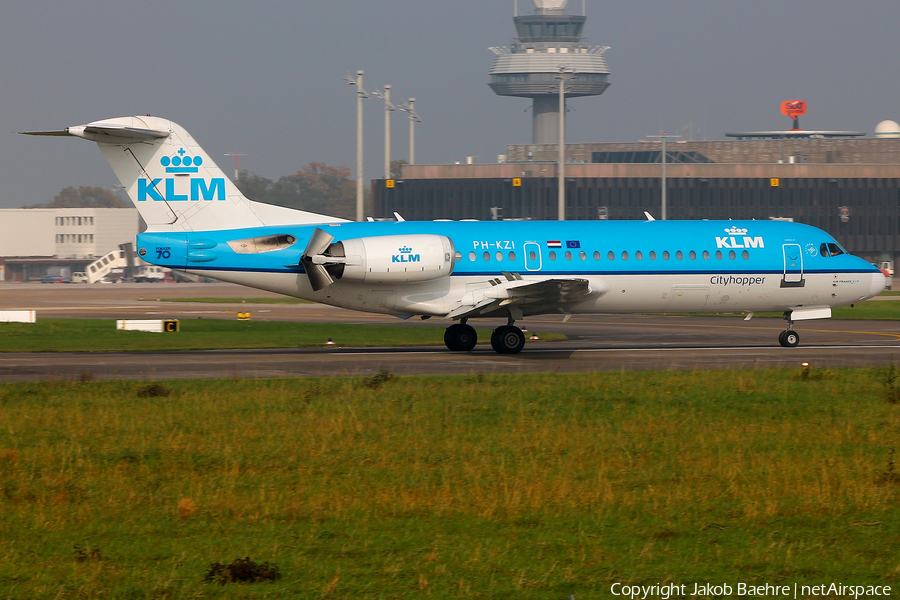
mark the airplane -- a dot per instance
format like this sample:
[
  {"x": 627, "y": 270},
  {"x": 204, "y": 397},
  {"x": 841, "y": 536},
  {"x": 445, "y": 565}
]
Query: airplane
[{"x": 199, "y": 222}]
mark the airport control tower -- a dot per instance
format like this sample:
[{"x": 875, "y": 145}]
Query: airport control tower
[{"x": 548, "y": 39}]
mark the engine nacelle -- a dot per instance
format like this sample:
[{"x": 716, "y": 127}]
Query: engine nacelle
[{"x": 391, "y": 258}]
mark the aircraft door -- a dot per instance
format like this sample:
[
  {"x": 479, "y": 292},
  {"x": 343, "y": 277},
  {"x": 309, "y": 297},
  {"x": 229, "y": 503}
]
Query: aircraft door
[
  {"x": 532, "y": 256},
  {"x": 793, "y": 266}
]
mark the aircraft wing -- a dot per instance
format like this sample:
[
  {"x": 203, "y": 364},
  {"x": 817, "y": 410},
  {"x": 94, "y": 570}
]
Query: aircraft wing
[{"x": 525, "y": 295}]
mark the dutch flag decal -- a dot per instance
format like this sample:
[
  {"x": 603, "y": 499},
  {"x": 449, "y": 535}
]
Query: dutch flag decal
[{"x": 554, "y": 244}]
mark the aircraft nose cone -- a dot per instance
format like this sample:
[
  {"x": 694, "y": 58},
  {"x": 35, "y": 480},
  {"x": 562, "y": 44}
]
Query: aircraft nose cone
[{"x": 878, "y": 283}]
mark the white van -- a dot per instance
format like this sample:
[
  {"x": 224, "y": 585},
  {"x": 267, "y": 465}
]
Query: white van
[{"x": 79, "y": 277}]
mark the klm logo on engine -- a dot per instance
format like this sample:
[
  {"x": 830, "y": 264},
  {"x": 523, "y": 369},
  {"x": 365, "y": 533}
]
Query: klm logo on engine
[
  {"x": 181, "y": 164},
  {"x": 738, "y": 238},
  {"x": 406, "y": 256}
]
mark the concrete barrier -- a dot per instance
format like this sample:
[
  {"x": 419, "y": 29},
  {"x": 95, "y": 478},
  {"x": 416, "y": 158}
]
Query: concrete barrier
[
  {"x": 151, "y": 325},
  {"x": 18, "y": 316}
]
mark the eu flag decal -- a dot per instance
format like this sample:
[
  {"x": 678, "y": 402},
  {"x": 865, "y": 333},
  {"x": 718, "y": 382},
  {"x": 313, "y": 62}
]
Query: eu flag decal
[{"x": 573, "y": 244}]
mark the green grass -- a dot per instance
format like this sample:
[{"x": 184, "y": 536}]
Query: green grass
[
  {"x": 92, "y": 335},
  {"x": 525, "y": 486},
  {"x": 281, "y": 300}
]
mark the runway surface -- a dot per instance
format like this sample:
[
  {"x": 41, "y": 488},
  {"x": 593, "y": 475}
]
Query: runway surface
[{"x": 599, "y": 342}]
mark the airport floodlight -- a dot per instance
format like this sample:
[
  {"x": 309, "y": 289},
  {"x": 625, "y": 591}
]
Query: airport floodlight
[
  {"x": 360, "y": 96},
  {"x": 663, "y": 157},
  {"x": 388, "y": 109},
  {"x": 562, "y": 77},
  {"x": 410, "y": 107},
  {"x": 236, "y": 155}
]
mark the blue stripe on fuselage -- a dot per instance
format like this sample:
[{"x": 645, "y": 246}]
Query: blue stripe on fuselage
[{"x": 762, "y": 241}]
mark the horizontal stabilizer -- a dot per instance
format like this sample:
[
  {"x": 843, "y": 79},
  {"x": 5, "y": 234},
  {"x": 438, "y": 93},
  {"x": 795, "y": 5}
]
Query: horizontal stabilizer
[{"x": 109, "y": 133}]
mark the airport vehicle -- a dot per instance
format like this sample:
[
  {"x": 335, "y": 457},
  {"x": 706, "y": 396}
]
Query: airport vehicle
[
  {"x": 57, "y": 275},
  {"x": 80, "y": 277},
  {"x": 198, "y": 221}
]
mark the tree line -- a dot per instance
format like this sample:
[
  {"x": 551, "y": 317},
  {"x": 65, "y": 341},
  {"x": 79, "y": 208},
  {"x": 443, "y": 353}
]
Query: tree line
[{"x": 317, "y": 187}]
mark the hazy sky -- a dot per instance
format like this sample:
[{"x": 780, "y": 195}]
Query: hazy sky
[{"x": 266, "y": 78}]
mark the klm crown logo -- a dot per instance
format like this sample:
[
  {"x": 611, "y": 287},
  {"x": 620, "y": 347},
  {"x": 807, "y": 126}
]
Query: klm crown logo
[
  {"x": 181, "y": 163},
  {"x": 736, "y": 231},
  {"x": 181, "y": 189},
  {"x": 406, "y": 255}
]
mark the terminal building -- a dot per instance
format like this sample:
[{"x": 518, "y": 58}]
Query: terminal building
[
  {"x": 34, "y": 239},
  {"x": 839, "y": 181}
]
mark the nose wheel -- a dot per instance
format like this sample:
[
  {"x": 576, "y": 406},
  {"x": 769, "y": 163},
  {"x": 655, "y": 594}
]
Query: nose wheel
[
  {"x": 789, "y": 338},
  {"x": 460, "y": 337},
  {"x": 508, "y": 339}
]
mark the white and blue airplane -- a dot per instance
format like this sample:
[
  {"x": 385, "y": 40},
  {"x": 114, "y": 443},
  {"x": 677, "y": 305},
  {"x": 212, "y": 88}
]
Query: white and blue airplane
[{"x": 198, "y": 221}]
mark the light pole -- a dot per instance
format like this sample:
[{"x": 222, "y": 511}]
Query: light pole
[
  {"x": 388, "y": 108},
  {"x": 236, "y": 169},
  {"x": 410, "y": 107},
  {"x": 360, "y": 96},
  {"x": 564, "y": 73},
  {"x": 663, "y": 138}
]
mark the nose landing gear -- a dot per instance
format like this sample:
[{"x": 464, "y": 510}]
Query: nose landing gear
[{"x": 789, "y": 338}]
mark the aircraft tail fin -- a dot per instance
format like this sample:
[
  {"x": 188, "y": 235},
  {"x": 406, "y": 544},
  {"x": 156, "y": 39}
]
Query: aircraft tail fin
[{"x": 173, "y": 182}]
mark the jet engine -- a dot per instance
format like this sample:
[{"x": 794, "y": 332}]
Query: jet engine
[{"x": 378, "y": 259}]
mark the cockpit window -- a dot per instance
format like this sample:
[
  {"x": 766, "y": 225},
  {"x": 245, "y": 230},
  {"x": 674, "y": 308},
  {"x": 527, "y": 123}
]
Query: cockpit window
[{"x": 830, "y": 249}]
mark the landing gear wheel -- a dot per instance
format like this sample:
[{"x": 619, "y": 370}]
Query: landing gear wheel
[
  {"x": 460, "y": 338},
  {"x": 789, "y": 339},
  {"x": 508, "y": 339}
]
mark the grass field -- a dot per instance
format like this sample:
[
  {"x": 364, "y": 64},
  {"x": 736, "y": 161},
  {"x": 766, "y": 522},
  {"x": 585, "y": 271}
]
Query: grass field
[
  {"x": 537, "y": 486},
  {"x": 82, "y": 335}
]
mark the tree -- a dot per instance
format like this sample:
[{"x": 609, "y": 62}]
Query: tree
[
  {"x": 83, "y": 197},
  {"x": 397, "y": 168},
  {"x": 317, "y": 187}
]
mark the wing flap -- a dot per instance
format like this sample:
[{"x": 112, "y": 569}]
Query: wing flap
[{"x": 553, "y": 291}]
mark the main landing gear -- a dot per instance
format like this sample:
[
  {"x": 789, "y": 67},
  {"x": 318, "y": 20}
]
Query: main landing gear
[
  {"x": 507, "y": 339},
  {"x": 460, "y": 337},
  {"x": 789, "y": 338}
]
